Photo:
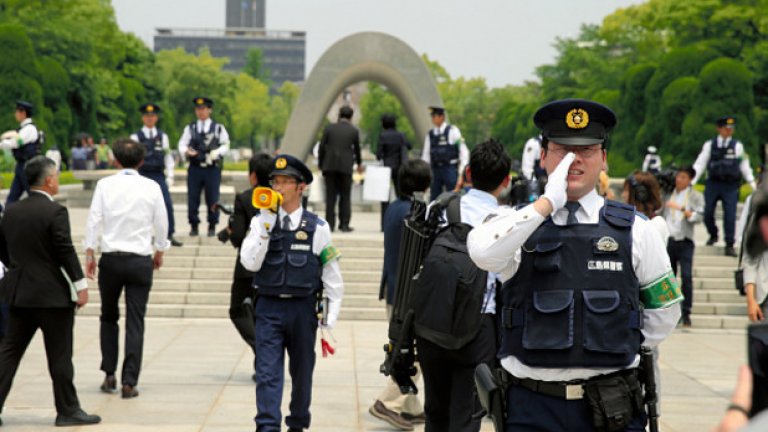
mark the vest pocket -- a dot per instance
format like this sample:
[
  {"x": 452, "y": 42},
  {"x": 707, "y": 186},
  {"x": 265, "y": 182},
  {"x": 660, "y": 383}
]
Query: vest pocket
[
  {"x": 272, "y": 272},
  {"x": 606, "y": 322},
  {"x": 297, "y": 271},
  {"x": 547, "y": 257},
  {"x": 549, "y": 320}
]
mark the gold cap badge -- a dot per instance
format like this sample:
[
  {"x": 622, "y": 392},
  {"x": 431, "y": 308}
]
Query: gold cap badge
[
  {"x": 199, "y": 101},
  {"x": 281, "y": 163},
  {"x": 730, "y": 121},
  {"x": 577, "y": 118},
  {"x": 150, "y": 108}
]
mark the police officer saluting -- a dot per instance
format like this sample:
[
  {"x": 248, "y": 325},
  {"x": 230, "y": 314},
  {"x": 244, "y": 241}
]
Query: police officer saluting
[
  {"x": 445, "y": 151},
  {"x": 723, "y": 159},
  {"x": 25, "y": 143},
  {"x": 203, "y": 143},
  {"x": 157, "y": 159},
  {"x": 586, "y": 283},
  {"x": 290, "y": 251}
]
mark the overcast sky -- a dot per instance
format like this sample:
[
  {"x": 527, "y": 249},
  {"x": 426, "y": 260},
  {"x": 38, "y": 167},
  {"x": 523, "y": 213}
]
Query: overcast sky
[{"x": 500, "y": 40}]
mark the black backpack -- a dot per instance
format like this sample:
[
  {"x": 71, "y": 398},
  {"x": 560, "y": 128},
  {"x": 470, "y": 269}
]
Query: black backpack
[{"x": 449, "y": 291}]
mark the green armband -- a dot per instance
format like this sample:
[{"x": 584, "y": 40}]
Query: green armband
[
  {"x": 661, "y": 293},
  {"x": 329, "y": 254}
]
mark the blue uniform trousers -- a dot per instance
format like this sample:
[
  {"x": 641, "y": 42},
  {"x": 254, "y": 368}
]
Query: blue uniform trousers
[
  {"x": 529, "y": 411},
  {"x": 19, "y": 185},
  {"x": 284, "y": 324},
  {"x": 681, "y": 252},
  {"x": 444, "y": 176},
  {"x": 159, "y": 178},
  {"x": 199, "y": 179},
  {"x": 728, "y": 193}
]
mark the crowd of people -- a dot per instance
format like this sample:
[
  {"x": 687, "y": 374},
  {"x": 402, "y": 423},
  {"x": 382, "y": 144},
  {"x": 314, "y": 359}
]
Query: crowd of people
[{"x": 561, "y": 347}]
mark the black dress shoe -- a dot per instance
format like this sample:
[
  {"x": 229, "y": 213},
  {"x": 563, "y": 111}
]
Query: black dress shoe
[
  {"x": 730, "y": 251},
  {"x": 175, "y": 242},
  {"x": 193, "y": 232},
  {"x": 129, "y": 391},
  {"x": 686, "y": 321},
  {"x": 77, "y": 418},
  {"x": 346, "y": 229},
  {"x": 295, "y": 430},
  {"x": 109, "y": 385},
  {"x": 211, "y": 230},
  {"x": 711, "y": 241}
]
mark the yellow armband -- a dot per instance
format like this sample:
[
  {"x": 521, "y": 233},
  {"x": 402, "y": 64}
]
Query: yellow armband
[
  {"x": 661, "y": 293},
  {"x": 329, "y": 254}
]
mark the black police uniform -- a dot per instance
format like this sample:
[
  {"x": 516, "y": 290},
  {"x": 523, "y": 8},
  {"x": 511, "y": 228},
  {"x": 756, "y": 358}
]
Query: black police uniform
[{"x": 22, "y": 154}]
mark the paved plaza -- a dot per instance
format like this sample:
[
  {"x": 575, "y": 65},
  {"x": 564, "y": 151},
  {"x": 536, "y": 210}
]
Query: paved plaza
[{"x": 197, "y": 375}]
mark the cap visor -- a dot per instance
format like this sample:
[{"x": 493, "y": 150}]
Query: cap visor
[{"x": 576, "y": 141}]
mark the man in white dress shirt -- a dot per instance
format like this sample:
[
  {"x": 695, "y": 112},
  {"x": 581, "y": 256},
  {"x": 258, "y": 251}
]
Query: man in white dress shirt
[
  {"x": 726, "y": 164},
  {"x": 585, "y": 285},
  {"x": 158, "y": 161},
  {"x": 127, "y": 222},
  {"x": 203, "y": 144}
]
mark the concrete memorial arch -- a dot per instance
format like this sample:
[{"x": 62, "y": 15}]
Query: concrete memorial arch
[{"x": 366, "y": 56}]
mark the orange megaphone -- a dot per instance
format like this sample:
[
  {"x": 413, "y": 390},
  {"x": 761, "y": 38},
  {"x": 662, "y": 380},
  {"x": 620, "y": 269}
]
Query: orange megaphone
[{"x": 266, "y": 198}]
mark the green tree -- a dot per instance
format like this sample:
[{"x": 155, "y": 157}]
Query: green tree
[
  {"x": 254, "y": 65},
  {"x": 375, "y": 102}
]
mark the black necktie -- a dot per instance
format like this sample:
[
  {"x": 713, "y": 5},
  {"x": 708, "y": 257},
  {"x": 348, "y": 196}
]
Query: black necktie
[
  {"x": 286, "y": 223},
  {"x": 572, "y": 207}
]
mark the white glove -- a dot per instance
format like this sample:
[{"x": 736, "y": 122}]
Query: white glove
[
  {"x": 556, "y": 190},
  {"x": 264, "y": 222},
  {"x": 169, "y": 181}
]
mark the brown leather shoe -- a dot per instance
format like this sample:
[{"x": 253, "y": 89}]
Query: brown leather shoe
[
  {"x": 379, "y": 411},
  {"x": 129, "y": 391},
  {"x": 109, "y": 385},
  {"x": 415, "y": 418}
]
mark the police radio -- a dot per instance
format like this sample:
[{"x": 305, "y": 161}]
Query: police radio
[{"x": 265, "y": 198}]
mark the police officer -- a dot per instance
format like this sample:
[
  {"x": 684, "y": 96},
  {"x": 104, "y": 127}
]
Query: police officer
[
  {"x": 157, "y": 159},
  {"x": 531, "y": 166},
  {"x": 445, "y": 151},
  {"x": 726, "y": 164},
  {"x": 652, "y": 161},
  {"x": 203, "y": 143},
  {"x": 291, "y": 253},
  {"x": 25, "y": 142},
  {"x": 602, "y": 286}
]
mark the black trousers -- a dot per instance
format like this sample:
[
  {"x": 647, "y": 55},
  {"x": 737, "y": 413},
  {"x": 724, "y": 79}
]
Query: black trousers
[
  {"x": 134, "y": 274},
  {"x": 449, "y": 386},
  {"x": 681, "y": 252},
  {"x": 338, "y": 185},
  {"x": 241, "y": 290},
  {"x": 56, "y": 325}
]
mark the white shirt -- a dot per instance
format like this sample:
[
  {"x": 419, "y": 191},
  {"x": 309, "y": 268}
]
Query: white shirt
[
  {"x": 454, "y": 137},
  {"x": 531, "y": 152},
  {"x": 676, "y": 218},
  {"x": 255, "y": 245},
  {"x": 128, "y": 215},
  {"x": 80, "y": 284},
  {"x": 495, "y": 246},
  {"x": 27, "y": 135},
  {"x": 168, "y": 159},
  {"x": 476, "y": 205},
  {"x": 202, "y": 127},
  {"x": 706, "y": 151}
]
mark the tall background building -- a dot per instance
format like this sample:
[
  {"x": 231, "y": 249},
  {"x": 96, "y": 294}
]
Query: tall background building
[{"x": 283, "y": 51}]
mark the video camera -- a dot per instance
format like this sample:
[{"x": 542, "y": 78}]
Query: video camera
[
  {"x": 223, "y": 235},
  {"x": 666, "y": 179}
]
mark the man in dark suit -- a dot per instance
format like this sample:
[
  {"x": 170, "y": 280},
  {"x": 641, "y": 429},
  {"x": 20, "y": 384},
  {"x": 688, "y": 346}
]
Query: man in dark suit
[
  {"x": 35, "y": 241},
  {"x": 339, "y": 150},
  {"x": 259, "y": 168}
]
